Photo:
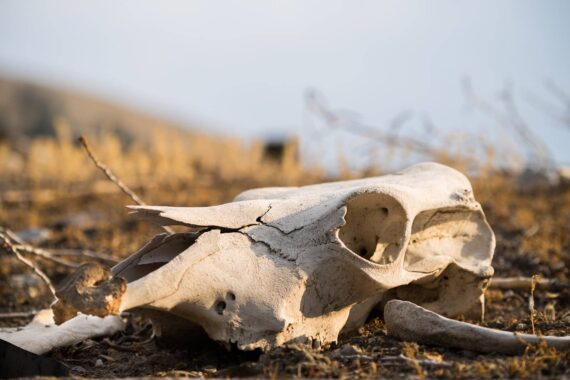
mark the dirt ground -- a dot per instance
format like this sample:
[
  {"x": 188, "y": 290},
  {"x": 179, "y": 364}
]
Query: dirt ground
[{"x": 533, "y": 237}]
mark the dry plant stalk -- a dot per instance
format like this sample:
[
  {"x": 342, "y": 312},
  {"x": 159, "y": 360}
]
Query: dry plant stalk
[
  {"x": 124, "y": 188},
  {"x": 535, "y": 278},
  {"x": 524, "y": 283},
  {"x": 8, "y": 246},
  {"x": 18, "y": 314},
  {"x": 40, "y": 252},
  {"x": 21, "y": 245},
  {"x": 85, "y": 253},
  {"x": 113, "y": 178}
]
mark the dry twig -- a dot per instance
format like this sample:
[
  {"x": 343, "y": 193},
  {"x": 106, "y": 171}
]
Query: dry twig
[
  {"x": 535, "y": 279},
  {"x": 21, "y": 245},
  {"x": 8, "y": 246},
  {"x": 334, "y": 120},
  {"x": 40, "y": 252},
  {"x": 18, "y": 314},
  {"x": 113, "y": 178},
  {"x": 86, "y": 253},
  {"x": 525, "y": 283}
]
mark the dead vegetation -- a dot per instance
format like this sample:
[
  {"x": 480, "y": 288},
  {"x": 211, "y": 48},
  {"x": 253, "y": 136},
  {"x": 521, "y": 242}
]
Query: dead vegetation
[{"x": 53, "y": 197}]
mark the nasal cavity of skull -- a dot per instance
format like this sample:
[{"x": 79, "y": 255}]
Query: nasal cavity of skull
[
  {"x": 448, "y": 233},
  {"x": 221, "y": 305},
  {"x": 374, "y": 226}
]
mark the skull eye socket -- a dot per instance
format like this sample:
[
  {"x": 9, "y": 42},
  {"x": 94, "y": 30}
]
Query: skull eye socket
[{"x": 375, "y": 226}]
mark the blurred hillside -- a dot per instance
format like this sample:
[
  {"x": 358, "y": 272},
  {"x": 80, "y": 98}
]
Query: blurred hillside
[
  {"x": 28, "y": 110},
  {"x": 39, "y": 127}
]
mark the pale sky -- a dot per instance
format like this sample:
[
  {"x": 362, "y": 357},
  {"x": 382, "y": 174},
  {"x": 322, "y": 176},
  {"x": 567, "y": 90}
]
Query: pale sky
[{"x": 242, "y": 67}]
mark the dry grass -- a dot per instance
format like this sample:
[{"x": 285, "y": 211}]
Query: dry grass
[
  {"x": 170, "y": 159},
  {"x": 54, "y": 186}
]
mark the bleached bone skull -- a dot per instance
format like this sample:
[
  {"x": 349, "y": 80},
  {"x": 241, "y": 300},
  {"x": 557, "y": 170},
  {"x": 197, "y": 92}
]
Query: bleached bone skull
[{"x": 304, "y": 264}]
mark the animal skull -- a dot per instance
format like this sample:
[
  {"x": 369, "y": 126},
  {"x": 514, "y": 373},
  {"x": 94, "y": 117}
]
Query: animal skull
[{"x": 304, "y": 264}]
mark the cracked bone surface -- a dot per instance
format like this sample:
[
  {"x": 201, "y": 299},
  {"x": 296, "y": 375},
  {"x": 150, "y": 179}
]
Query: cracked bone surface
[
  {"x": 304, "y": 264},
  {"x": 410, "y": 322}
]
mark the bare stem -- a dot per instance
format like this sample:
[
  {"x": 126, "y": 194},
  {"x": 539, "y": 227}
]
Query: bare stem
[
  {"x": 534, "y": 278},
  {"x": 525, "y": 283},
  {"x": 109, "y": 173},
  {"x": 21, "y": 245},
  {"x": 40, "y": 252},
  {"x": 18, "y": 314},
  {"x": 7, "y": 245},
  {"x": 84, "y": 252},
  {"x": 113, "y": 178}
]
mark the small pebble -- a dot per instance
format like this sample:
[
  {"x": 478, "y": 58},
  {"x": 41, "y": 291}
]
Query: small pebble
[
  {"x": 348, "y": 349},
  {"x": 78, "y": 369},
  {"x": 98, "y": 363}
]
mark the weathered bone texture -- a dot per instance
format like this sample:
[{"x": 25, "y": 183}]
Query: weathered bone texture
[
  {"x": 91, "y": 290},
  {"x": 42, "y": 334},
  {"x": 410, "y": 322},
  {"x": 284, "y": 265}
]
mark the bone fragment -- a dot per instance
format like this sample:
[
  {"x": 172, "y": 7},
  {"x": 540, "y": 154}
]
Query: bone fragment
[
  {"x": 42, "y": 335},
  {"x": 90, "y": 290},
  {"x": 410, "y": 322}
]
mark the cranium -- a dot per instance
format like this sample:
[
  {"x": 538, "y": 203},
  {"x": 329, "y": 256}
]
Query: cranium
[{"x": 304, "y": 264}]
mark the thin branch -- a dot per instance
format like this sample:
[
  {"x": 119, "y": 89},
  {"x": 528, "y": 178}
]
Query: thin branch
[
  {"x": 534, "y": 279},
  {"x": 86, "y": 253},
  {"x": 18, "y": 314},
  {"x": 7, "y": 245},
  {"x": 558, "y": 92},
  {"x": 110, "y": 174},
  {"x": 335, "y": 120},
  {"x": 113, "y": 178},
  {"x": 40, "y": 252},
  {"x": 53, "y": 254},
  {"x": 511, "y": 117},
  {"x": 21, "y": 245},
  {"x": 525, "y": 283},
  {"x": 12, "y": 235}
]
